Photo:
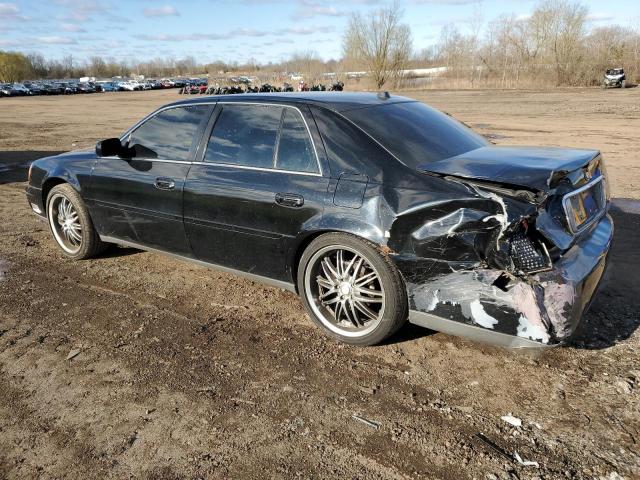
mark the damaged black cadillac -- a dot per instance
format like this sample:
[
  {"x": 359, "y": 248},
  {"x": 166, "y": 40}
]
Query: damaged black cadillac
[{"x": 374, "y": 208}]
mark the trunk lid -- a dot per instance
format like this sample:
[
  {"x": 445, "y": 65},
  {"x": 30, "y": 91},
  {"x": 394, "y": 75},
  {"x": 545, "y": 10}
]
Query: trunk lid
[{"x": 531, "y": 167}]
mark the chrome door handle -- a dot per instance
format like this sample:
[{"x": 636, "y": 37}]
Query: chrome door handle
[
  {"x": 163, "y": 183},
  {"x": 289, "y": 200}
]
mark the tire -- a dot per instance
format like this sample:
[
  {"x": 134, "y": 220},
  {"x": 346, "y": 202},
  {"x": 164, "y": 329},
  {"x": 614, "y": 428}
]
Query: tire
[
  {"x": 363, "y": 302},
  {"x": 623, "y": 84},
  {"x": 81, "y": 240}
]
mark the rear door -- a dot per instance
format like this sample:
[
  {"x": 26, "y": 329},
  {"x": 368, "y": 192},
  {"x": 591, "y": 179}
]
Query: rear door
[
  {"x": 257, "y": 186},
  {"x": 139, "y": 199}
]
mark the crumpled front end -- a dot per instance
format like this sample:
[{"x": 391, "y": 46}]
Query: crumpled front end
[{"x": 510, "y": 269}]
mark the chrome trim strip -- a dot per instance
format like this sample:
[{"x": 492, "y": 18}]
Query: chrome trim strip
[
  {"x": 472, "y": 332},
  {"x": 260, "y": 169},
  {"x": 112, "y": 157},
  {"x": 567, "y": 198},
  {"x": 249, "y": 276}
]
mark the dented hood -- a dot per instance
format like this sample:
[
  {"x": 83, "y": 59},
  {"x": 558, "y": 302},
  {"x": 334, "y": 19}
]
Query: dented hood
[{"x": 530, "y": 167}]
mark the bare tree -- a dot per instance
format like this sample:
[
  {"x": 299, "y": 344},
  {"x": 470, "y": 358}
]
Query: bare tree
[
  {"x": 308, "y": 64},
  {"x": 564, "y": 28},
  {"x": 379, "y": 42}
]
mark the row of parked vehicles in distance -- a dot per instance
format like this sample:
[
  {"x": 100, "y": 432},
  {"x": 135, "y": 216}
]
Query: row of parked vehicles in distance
[
  {"x": 67, "y": 87},
  {"x": 185, "y": 85},
  {"x": 202, "y": 87}
]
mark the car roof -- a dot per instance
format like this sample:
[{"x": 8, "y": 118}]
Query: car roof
[{"x": 337, "y": 101}]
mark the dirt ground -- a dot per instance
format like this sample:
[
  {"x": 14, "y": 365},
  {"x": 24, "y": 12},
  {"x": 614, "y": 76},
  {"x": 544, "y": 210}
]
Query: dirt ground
[{"x": 134, "y": 365}]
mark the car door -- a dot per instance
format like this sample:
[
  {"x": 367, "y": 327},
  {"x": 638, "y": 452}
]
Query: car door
[
  {"x": 139, "y": 199},
  {"x": 257, "y": 186}
]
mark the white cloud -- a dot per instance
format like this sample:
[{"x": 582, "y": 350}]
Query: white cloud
[
  {"x": 239, "y": 32},
  {"x": 71, "y": 27},
  {"x": 9, "y": 43},
  {"x": 8, "y": 9},
  {"x": 54, "y": 40},
  {"x": 82, "y": 10},
  {"x": 11, "y": 12},
  {"x": 166, "y": 11},
  {"x": 309, "y": 9}
]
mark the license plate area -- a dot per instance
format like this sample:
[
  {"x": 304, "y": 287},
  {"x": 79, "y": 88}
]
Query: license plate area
[{"x": 584, "y": 205}]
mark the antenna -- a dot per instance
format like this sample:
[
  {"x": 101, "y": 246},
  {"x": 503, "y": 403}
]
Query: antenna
[{"x": 384, "y": 96}]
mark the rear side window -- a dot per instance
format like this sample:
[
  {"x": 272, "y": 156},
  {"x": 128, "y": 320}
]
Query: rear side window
[
  {"x": 262, "y": 136},
  {"x": 245, "y": 135},
  {"x": 416, "y": 133},
  {"x": 170, "y": 134},
  {"x": 295, "y": 150}
]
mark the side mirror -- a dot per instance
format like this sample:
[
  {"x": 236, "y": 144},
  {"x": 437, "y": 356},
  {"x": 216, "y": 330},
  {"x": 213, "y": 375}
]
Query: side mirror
[{"x": 110, "y": 147}]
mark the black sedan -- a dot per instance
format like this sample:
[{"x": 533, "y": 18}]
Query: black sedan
[{"x": 375, "y": 209}]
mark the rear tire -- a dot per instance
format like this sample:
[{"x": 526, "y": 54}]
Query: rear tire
[
  {"x": 71, "y": 224},
  {"x": 351, "y": 290}
]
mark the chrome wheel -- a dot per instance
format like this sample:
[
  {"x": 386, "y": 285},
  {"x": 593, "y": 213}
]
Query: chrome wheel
[
  {"x": 345, "y": 291},
  {"x": 65, "y": 223}
]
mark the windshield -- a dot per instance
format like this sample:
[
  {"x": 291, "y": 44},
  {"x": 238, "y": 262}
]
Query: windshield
[{"x": 416, "y": 133}]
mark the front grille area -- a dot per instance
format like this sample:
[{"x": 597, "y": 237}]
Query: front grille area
[{"x": 585, "y": 205}]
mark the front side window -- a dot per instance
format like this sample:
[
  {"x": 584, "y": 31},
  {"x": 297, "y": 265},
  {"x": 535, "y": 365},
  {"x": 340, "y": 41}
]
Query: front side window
[
  {"x": 262, "y": 136},
  {"x": 170, "y": 134},
  {"x": 245, "y": 135}
]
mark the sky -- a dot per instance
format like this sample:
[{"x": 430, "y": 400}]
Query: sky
[{"x": 239, "y": 30}]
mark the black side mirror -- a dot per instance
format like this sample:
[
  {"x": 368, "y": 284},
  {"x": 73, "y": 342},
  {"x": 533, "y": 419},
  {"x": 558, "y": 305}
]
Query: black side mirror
[{"x": 110, "y": 147}]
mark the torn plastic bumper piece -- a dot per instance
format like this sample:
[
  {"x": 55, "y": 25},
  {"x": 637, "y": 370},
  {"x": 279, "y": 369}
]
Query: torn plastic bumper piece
[{"x": 491, "y": 306}]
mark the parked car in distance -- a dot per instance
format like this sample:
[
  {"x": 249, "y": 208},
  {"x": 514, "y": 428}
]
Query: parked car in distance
[
  {"x": 614, "y": 77},
  {"x": 131, "y": 85},
  {"x": 86, "y": 88},
  {"x": 107, "y": 86},
  {"x": 70, "y": 88},
  {"x": 375, "y": 209},
  {"x": 6, "y": 90},
  {"x": 18, "y": 89},
  {"x": 34, "y": 88}
]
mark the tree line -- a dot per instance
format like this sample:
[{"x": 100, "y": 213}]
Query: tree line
[{"x": 552, "y": 46}]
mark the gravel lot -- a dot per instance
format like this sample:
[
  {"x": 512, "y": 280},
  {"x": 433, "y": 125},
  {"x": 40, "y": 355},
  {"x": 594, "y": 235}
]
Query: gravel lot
[{"x": 135, "y": 365}]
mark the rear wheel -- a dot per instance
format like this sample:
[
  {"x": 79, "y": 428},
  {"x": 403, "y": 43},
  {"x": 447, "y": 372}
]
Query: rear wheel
[
  {"x": 71, "y": 225},
  {"x": 354, "y": 292}
]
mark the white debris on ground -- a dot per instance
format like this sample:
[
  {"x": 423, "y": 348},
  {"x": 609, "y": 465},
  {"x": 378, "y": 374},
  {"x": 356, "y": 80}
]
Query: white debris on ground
[{"x": 510, "y": 419}]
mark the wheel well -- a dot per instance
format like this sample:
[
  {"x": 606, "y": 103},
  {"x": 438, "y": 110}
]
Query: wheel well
[
  {"x": 46, "y": 188},
  {"x": 302, "y": 246}
]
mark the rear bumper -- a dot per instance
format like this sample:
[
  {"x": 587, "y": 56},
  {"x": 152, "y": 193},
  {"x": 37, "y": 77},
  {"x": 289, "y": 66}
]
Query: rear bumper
[{"x": 541, "y": 311}]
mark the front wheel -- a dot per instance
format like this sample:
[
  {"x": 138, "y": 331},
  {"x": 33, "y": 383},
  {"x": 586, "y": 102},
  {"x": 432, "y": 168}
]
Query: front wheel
[
  {"x": 351, "y": 290},
  {"x": 71, "y": 225}
]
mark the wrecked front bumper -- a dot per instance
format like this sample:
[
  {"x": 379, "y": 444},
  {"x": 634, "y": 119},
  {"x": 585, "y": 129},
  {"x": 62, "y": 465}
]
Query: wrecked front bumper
[{"x": 540, "y": 310}]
